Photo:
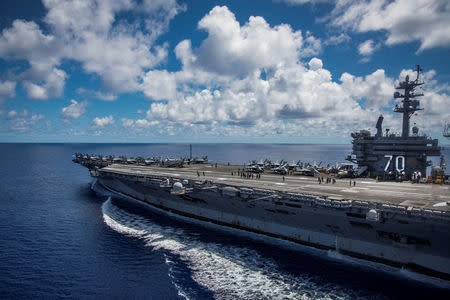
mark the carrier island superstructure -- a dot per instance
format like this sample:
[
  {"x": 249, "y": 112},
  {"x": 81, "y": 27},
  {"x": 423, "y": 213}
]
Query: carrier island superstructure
[
  {"x": 387, "y": 155},
  {"x": 396, "y": 223}
]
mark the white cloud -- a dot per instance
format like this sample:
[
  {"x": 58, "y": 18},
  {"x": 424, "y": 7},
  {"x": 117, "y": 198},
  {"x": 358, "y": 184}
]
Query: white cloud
[
  {"x": 289, "y": 97},
  {"x": 139, "y": 125},
  {"x": 90, "y": 32},
  {"x": 105, "y": 96},
  {"x": 159, "y": 85},
  {"x": 127, "y": 122},
  {"x": 367, "y": 48},
  {"x": 160, "y": 13},
  {"x": 102, "y": 122},
  {"x": 404, "y": 20},
  {"x": 12, "y": 114},
  {"x": 337, "y": 39},
  {"x": 74, "y": 110},
  {"x": 249, "y": 79},
  {"x": 23, "y": 121},
  {"x": 375, "y": 88},
  {"x": 291, "y": 92},
  {"x": 143, "y": 123},
  {"x": 52, "y": 88},
  {"x": 315, "y": 64},
  {"x": 291, "y": 100},
  {"x": 24, "y": 40},
  {"x": 7, "y": 90},
  {"x": 17, "y": 42},
  {"x": 234, "y": 49},
  {"x": 120, "y": 52},
  {"x": 229, "y": 51}
]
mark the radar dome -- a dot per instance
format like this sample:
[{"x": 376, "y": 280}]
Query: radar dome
[
  {"x": 372, "y": 215},
  {"x": 177, "y": 186}
]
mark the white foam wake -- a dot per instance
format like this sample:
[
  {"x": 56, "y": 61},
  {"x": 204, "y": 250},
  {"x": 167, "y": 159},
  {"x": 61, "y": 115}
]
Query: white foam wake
[{"x": 230, "y": 272}]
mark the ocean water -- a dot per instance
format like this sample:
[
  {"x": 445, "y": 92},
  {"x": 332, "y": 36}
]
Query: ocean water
[{"x": 59, "y": 240}]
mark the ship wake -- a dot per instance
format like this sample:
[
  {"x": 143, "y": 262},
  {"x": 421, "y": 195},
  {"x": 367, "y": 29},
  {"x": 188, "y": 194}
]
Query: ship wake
[{"x": 229, "y": 272}]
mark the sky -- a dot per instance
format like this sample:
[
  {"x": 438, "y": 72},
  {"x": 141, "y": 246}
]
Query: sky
[{"x": 266, "y": 71}]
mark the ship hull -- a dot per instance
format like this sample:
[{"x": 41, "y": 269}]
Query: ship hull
[{"x": 413, "y": 243}]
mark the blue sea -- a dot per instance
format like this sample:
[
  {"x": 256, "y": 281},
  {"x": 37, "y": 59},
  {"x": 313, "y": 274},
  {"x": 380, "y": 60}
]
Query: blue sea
[{"x": 59, "y": 240}]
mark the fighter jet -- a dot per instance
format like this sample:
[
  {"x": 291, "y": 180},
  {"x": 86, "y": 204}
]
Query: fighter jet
[
  {"x": 282, "y": 169},
  {"x": 254, "y": 168}
]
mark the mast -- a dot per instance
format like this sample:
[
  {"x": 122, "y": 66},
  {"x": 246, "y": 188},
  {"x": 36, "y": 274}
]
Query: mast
[{"x": 409, "y": 105}]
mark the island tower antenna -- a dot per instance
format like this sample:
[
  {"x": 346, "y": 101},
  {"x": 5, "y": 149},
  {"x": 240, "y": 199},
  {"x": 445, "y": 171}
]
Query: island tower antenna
[{"x": 409, "y": 104}]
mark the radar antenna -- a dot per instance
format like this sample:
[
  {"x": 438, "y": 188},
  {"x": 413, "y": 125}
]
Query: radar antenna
[{"x": 409, "y": 105}]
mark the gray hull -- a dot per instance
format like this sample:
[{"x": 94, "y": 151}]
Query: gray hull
[{"x": 397, "y": 237}]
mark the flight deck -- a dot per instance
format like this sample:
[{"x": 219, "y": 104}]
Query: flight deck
[{"x": 407, "y": 194}]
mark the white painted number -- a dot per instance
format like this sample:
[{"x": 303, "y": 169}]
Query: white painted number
[
  {"x": 403, "y": 163},
  {"x": 388, "y": 162},
  {"x": 399, "y": 163}
]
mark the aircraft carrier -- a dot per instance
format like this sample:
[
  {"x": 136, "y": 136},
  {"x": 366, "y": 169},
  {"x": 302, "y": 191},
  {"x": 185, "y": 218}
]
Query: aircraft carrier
[{"x": 403, "y": 224}]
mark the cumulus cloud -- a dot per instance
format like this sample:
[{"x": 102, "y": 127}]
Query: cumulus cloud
[
  {"x": 92, "y": 33},
  {"x": 161, "y": 12},
  {"x": 243, "y": 79},
  {"x": 367, "y": 48},
  {"x": 74, "y": 110},
  {"x": 376, "y": 89},
  {"x": 291, "y": 92},
  {"x": 118, "y": 53},
  {"x": 159, "y": 85},
  {"x": 139, "y": 124},
  {"x": 230, "y": 50},
  {"x": 261, "y": 95},
  {"x": 52, "y": 88},
  {"x": 102, "y": 122},
  {"x": 315, "y": 64},
  {"x": 13, "y": 114},
  {"x": 25, "y": 40},
  {"x": 404, "y": 20},
  {"x": 295, "y": 100},
  {"x": 17, "y": 41},
  {"x": 337, "y": 39},
  {"x": 234, "y": 49},
  {"x": 23, "y": 121},
  {"x": 7, "y": 90},
  {"x": 105, "y": 96},
  {"x": 127, "y": 122}
]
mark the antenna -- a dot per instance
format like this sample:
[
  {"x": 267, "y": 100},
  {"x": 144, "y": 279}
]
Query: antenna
[
  {"x": 418, "y": 70},
  {"x": 409, "y": 106}
]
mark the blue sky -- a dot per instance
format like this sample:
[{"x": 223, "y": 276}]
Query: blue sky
[{"x": 283, "y": 71}]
